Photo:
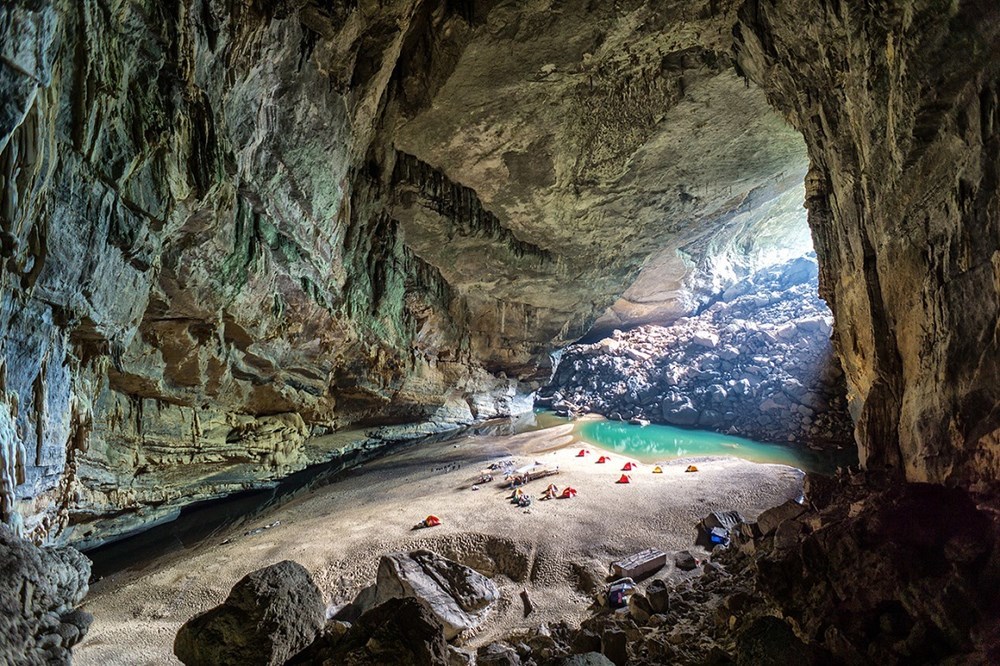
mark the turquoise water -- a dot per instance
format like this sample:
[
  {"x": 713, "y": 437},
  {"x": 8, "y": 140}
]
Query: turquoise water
[{"x": 653, "y": 443}]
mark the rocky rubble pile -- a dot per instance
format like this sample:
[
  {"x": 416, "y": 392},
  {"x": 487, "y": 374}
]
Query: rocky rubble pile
[
  {"x": 757, "y": 362},
  {"x": 861, "y": 574}
]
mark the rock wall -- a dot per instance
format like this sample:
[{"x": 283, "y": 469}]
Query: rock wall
[
  {"x": 199, "y": 275},
  {"x": 899, "y": 108}
]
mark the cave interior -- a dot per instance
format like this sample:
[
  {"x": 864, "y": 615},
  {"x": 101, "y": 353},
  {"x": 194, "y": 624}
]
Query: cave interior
[{"x": 259, "y": 254}]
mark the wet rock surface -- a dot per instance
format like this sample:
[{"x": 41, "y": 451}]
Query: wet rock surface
[
  {"x": 39, "y": 590},
  {"x": 268, "y": 617},
  {"x": 758, "y": 362}
]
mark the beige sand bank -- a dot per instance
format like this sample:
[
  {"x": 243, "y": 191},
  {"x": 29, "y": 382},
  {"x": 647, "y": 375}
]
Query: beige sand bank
[{"x": 339, "y": 532}]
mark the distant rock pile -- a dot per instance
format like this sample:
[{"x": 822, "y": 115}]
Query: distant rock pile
[{"x": 757, "y": 362}]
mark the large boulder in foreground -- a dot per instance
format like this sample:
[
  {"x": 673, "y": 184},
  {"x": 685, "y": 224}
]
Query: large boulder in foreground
[
  {"x": 458, "y": 596},
  {"x": 401, "y": 632},
  {"x": 39, "y": 588},
  {"x": 269, "y": 616}
]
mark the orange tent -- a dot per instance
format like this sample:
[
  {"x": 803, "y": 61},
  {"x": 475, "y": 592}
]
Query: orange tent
[
  {"x": 691, "y": 468},
  {"x": 568, "y": 492},
  {"x": 582, "y": 453},
  {"x": 628, "y": 467},
  {"x": 432, "y": 521},
  {"x": 602, "y": 460},
  {"x": 625, "y": 479}
]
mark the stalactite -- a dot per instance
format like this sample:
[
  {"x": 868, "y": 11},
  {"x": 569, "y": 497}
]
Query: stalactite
[{"x": 462, "y": 207}]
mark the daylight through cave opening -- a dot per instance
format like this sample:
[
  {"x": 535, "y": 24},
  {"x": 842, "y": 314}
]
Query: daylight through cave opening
[{"x": 726, "y": 333}]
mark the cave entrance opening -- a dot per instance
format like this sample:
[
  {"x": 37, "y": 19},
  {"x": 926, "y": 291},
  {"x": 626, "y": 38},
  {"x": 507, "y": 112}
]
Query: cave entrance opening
[{"x": 724, "y": 332}]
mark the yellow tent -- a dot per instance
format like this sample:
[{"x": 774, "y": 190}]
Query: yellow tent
[{"x": 657, "y": 470}]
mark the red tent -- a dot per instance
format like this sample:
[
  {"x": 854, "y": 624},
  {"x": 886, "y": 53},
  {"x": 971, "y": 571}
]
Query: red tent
[
  {"x": 432, "y": 521},
  {"x": 602, "y": 460},
  {"x": 625, "y": 479},
  {"x": 628, "y": 467},
  {"x": 582, "y": 453},
  {"x": 568, "y": 492}
]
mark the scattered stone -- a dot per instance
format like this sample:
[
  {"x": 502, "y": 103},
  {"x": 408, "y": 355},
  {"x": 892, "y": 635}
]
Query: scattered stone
[
  {"x": 528, "y": 606},
  {"x": 685, "y": 561},
  {"x": 659, "y": 596},
  {"x": 270, "y": 615},
  {"x": 705, "y": 339}
]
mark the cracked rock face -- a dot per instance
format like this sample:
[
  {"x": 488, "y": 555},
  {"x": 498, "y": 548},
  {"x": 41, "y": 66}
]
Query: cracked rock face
[{"x": 231, "y": 228}]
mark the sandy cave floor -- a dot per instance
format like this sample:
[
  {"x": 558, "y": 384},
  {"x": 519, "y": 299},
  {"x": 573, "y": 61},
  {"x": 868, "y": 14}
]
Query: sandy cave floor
[{"x": 339, "y": 532}]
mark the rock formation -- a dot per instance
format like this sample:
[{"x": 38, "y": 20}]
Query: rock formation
[
  {"x": 229, "y": 227},
  {"x": 757, "y": 362},
  {"x": 861, "y": 574},
  {"x": 268, "y": 617},
  {"x": 232, "y": 227},
  {"x": 459, "y": 597},
  {"x": 39, "y": 588}
]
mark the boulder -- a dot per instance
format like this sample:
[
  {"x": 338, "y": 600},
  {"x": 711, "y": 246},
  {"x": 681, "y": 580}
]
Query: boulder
[
  {"x": 614, "y": 645},
  {"x": 639, "y": 608},
  {"x": 402, "y": 632},
  {"x": 269, "y": 616},
  {"x": 705, "y": 339},
  {"x": 497, "y": 654},
  {"x": 685, "y": 561},
  {"x": 683, "y": 414},
  {"x": 458, "y": 596},
  {"x": 658, "y": 596},
  {"x": 768, "y": 521}
]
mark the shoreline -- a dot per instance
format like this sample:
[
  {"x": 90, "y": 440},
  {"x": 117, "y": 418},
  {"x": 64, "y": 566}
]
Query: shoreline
[{"x": 339, "y": 531}]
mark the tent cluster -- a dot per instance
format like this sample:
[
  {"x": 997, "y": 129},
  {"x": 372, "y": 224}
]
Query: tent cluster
[{"x": 552, "y": 492}]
